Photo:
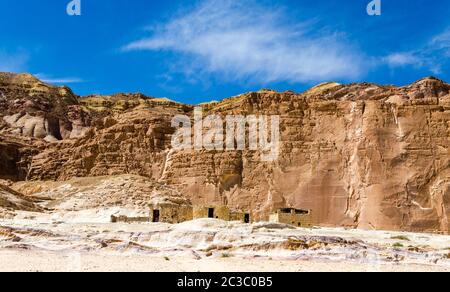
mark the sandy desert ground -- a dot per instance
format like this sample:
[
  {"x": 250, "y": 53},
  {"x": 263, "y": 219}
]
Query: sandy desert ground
[{"x": 87, "y": 242}]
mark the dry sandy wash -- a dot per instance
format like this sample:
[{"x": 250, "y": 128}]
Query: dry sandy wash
[{"x": 36, "y": 242}]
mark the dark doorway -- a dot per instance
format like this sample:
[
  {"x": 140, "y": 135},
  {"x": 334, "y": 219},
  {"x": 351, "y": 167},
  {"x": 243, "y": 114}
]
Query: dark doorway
[
  {"x": 156, "y": 216},
  {"x": 247, "y": 218},
  {"x": 211, "y": 213}
]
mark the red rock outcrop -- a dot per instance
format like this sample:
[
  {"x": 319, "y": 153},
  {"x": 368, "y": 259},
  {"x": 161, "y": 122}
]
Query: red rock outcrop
[
  {"x": 358, "y": 155},
  {"x": 34, "y": 109}
]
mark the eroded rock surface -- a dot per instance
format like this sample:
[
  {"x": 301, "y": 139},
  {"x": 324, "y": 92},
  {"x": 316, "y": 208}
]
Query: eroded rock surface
[
  {"x": 34, "y": 109},
  {"x": 11, "y": 201},
  {"x": 15, "y": 157},
  {"x": 359, "y": 155}
]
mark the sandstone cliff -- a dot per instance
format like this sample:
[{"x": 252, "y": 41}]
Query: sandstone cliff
[
  {"x": 34, "y": 109},
  {"x": 359, "y": 155}
]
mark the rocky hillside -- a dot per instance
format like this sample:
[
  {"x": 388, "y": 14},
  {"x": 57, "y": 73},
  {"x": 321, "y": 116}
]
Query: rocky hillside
[
  {"x": 34, "y": 109},
  {"x": 359, "y": 155}
]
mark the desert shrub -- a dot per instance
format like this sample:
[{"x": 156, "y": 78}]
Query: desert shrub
[{"x": 401, "y": 237}]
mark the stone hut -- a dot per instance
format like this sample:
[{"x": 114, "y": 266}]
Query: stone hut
[
  {"x": 239, "y": 215},
  {"x": 216, "y": 212},
  {"x": 222, "y": 213},
  {"x": 296, "y": 217},
  {"x": 170, "y": 208}
]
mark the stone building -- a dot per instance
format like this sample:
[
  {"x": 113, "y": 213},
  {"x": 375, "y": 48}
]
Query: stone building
[
  {"x": 216, "y": 212},
  {"x": 170, "y": 209},
  {"x": 296, "y": 217},
  {"x": 222, "y": 213},
  {"x": 239, "y": 215}
]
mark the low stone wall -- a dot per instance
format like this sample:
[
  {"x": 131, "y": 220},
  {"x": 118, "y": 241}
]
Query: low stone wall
[{"x": 126, "y": 219}]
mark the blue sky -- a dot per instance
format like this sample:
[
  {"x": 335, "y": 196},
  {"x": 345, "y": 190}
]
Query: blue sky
[{"x": 195, "y": 51}]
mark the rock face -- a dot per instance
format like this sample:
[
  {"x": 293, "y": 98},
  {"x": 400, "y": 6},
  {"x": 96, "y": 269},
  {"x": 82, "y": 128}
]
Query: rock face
[
  {"x": 132, "y": 142},
  {"x": 358, "y": 155},
  {"x": 34, "y": 109},
  {"x": 15, "y": 158}
]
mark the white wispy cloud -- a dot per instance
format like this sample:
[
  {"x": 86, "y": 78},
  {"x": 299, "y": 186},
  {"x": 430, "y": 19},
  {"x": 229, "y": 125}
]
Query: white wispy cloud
[
  {"x": 431, "y": 56},
  {"x": 441, "y": 42},
  {"x": 402, "y": 59},
  {"x": 13, "y": 62},
  {"x": 52, "y": 80},
  {"x": 252, "y": 42}
]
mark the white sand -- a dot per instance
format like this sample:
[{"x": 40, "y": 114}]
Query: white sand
[
  {"x": 26, "y": 261},
  {"x": 42, "y": 243}
]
